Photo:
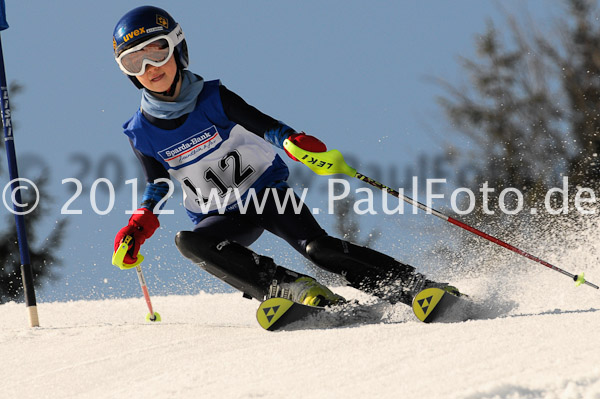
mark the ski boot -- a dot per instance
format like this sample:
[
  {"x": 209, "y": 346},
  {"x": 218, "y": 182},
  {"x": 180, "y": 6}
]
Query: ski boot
[
  {"x": 405, "y": 290},
  {"x": 450, "y": 289},
  {"x": 371, "y": 271},
  {"x": 305, "y": 290}
]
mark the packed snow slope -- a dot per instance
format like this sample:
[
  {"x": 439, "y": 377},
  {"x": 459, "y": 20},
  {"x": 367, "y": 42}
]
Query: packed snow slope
[
  {"x": 532, "y": 334},
  {"x": 532, "y": 337}
]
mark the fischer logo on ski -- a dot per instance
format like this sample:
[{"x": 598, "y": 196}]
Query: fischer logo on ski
[{"x": 271, "y": 312}]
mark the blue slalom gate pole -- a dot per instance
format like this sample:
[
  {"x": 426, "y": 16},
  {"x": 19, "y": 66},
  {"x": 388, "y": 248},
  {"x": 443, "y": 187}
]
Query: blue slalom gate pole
[{"x": 26, "y": 271}]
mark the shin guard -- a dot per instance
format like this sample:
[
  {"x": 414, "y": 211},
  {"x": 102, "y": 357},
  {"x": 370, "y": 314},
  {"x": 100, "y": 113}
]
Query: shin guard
[
  {"x": 362, "y": 267},
  {"x": 234, "y": 264}
]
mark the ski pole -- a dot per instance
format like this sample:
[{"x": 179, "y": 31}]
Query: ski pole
[
  {"x": 152, "y": 316},
  {"x": 117, "y": 260},
  {"x": 332, "y": 162},
  {"x": 13, "y": 172}
]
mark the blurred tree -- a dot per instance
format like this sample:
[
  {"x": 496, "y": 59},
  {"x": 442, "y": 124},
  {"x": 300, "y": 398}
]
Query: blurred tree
[
  {"x": 532, "y": 108},
  {"x": 42, "y": 255},
  {"x": 530, "y": 112}
]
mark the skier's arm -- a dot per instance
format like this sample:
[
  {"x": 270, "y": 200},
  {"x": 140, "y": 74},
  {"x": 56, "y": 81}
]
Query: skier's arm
[
  {"x": 153, "y": 170},
  {"x": 272, "y": 130},
  {"x": 143, "y": 223},
  {"x": 242, "y": 113}
]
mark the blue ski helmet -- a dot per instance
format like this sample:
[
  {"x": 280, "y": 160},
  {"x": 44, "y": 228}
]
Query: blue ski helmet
[{"x": 141, "y": 24}]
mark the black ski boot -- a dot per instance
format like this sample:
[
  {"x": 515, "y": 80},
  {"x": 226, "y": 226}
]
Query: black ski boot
[{"x": 371, "y": 271}]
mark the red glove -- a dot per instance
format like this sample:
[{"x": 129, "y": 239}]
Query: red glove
[
  {"x": 306, "y": 142},
  {"x": 141, "y": 226}
]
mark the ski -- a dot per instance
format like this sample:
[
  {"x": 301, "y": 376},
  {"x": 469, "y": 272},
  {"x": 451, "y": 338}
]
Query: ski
[
  {"x": 436, "y": 305},
  {"x": 429, "y": 305},
  {"x": 276, "y": 313},
  {"x": 282, "y": 314}
]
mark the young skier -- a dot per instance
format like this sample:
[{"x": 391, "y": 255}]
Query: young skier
[{"x": 211, "y": 141}]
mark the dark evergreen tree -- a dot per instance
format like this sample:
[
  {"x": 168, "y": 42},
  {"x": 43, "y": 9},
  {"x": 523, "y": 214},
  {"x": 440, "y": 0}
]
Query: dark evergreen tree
[
  {"x": 531, "y": 113},
  {"x": 43, "y": 254},
  {"x": 532, "y": 108}
]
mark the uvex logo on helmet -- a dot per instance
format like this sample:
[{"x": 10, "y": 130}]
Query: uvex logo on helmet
[{"x": 134, "y": 33}]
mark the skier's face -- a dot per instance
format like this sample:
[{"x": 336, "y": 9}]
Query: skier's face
[{"x": 159, "y": 79}]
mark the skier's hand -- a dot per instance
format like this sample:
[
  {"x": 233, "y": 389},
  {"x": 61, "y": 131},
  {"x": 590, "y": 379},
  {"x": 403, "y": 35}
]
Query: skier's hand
[
  {"x": 306, "y": 142},
  {"x": 141, "y": 226}
]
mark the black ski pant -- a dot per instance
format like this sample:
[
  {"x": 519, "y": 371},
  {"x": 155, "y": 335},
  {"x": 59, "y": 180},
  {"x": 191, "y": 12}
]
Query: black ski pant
[{"x": 219, "y": 245}]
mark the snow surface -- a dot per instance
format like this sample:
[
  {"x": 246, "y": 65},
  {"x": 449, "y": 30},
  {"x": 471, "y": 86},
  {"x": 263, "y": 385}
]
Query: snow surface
[
  {"x": 542, "y": 343},
  {"x": 533, "y": 335}
]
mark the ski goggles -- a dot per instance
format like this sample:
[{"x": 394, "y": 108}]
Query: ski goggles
[{"x": 155, "y": 51}]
